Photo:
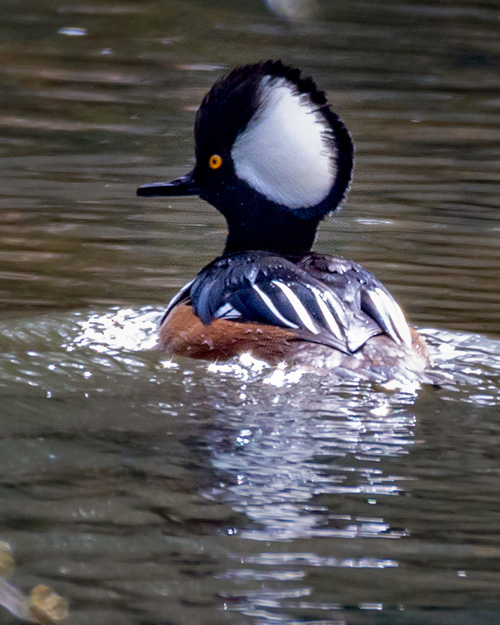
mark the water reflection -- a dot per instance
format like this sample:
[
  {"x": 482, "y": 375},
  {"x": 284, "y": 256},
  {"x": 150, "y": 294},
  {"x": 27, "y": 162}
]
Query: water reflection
[
  {"x": 278, "y": 494},
  {"x": 278, "y": 466}
]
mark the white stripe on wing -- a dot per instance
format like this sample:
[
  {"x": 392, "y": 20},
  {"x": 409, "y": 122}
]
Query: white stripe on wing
[
  {"x": 298, "y": 306},
  {"x": 391, "y": 314},
  {"x": 330, "y": 320},
  {"x": 267, "y": 301}
]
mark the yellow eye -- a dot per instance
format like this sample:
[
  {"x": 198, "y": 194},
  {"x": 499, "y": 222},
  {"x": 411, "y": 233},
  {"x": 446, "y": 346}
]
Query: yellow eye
[{"x": 215, "y": 161}]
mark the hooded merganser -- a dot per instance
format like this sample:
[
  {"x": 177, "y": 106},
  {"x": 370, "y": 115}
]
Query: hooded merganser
[{"x": 274, "y": 159}]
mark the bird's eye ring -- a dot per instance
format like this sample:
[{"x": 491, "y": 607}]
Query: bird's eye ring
[{"x": 215, "y": 161}]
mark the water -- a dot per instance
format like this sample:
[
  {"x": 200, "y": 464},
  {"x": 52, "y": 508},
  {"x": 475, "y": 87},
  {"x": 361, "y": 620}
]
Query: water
[{"x": 151, "y": 490}]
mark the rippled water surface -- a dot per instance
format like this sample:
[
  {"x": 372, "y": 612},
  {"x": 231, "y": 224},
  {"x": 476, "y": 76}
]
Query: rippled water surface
[{"x": 151, "y": 490}]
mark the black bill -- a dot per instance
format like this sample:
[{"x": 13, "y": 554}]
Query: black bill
[{"x": 180, "y": 186}]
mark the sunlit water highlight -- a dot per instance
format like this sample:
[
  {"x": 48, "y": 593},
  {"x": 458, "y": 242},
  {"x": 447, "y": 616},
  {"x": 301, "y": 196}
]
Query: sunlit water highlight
[
  {"x": 469, "y": 359},
  {"x": 239, "y": 452}
]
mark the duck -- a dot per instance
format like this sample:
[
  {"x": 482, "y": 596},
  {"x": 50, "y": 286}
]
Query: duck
[{"x": 274, "y": 159}]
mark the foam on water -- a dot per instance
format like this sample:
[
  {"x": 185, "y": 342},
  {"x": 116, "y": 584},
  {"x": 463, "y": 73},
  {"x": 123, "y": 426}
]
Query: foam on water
[{"x": 471, "y": 362}]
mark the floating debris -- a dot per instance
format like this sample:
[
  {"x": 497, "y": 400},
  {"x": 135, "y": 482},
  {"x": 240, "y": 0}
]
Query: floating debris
[
  {"x": 46, "y": 606},
  {"x": 6, "y": 559},
  {"x": 42, "y": 605}
]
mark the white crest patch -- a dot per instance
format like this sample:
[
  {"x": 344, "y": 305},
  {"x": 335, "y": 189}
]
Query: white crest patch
[{"x": 286, "y": 152}]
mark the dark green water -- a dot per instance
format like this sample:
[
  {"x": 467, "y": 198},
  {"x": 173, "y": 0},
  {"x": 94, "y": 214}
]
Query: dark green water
[{"x": 147, "y": 490}]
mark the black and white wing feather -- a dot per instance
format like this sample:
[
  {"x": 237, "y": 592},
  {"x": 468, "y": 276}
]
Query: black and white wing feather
[
  {"x": 367, "y": 298},
  {"x": 181, "y": 296},
  {"x": 266, "y": 288},
  {"x": 322, "y": 299},
  {"x": 379, "y": 304}
]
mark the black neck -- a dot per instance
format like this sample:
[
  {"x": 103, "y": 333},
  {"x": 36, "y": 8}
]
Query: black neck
[{"x": 280, "y": 232}]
